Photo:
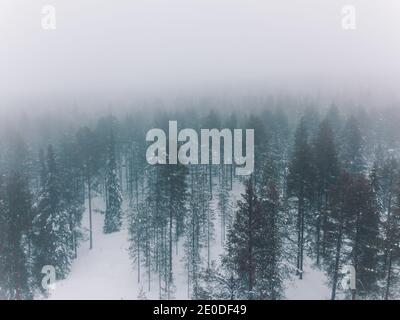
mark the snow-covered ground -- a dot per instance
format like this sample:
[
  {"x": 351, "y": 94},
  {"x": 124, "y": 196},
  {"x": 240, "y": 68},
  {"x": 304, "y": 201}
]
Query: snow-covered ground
[
  {"x": 311, "y": 287},
  {"x": 107, "y": 272}
]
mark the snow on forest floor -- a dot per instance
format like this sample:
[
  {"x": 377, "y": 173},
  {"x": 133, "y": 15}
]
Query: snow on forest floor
[
  {"x": 107, "y": 272},
  {"x": 311, "y": 287}
]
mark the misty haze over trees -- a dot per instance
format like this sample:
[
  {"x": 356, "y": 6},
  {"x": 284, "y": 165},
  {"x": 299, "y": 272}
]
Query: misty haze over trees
[{"x": 325, "y": 188}]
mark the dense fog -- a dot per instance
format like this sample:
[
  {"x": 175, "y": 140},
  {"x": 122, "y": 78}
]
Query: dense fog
[{"x": 103, "y": 53}]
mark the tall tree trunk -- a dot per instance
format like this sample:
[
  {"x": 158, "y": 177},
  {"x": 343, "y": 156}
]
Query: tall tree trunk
[
  {"x": 389, "y": 275},
  {"x": 337, "y": 262},
  {"x": 231, "y": 174},
  {"x": 138, "y": 253},
  {"x": 302, "y": 241},
  {"x": 324, "y": 224},
  {"x": 211, "y": 187},
  {"x": 300, "y": 236},
  {"x": 90, "y": 212},
  {"x": 208, "y": 238},
  {"x": 170, "y": 249},
  {"x": 318, "y": 231},
  {"x": 250, "y": 248}
]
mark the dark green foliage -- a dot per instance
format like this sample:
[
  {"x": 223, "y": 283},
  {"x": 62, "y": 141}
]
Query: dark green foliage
[
  {"x": 51, "y": 227},
  {"x": 271, "y": 270},
  {"x": 300, "y": 184},
  {"x": 15, "y": 219},
  {"x": 248, "y": 246},
  {"x": 113, "y": 215},
  {"x": 352, "y": 148}
]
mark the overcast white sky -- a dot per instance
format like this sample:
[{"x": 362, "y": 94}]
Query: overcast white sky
[{"x": 107, "y": 48}]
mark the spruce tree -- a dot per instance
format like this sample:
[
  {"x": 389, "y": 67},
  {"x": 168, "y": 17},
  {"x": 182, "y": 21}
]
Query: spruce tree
[
  {"x": 363, "y": 233},
  {"x": 392, "y": 257},
  {"x": 389, "y": 186},
  {"x": 327, "y": 169},
  {"x": 271, "y": 273},
  {"x": 300, "y": 185},
  {"x": 340, "y": 213},
  {"x": 193, "y": 236},
  {"x": 177, "y": 197},
  {"x": 352, "y": 149},
  {"x": 3, "y": 239},
  {"x": 89, "y": 151},
  {"x": 51, "y": 225},
  {"x": 15, "y": 216},
  {"x": 140, "y": 236},
  {"x": 224, "y": 204},
  {"x": 73, "y": 189},
  {"x": 246, "y": 240},
  {"x": 113, "y": 215}
]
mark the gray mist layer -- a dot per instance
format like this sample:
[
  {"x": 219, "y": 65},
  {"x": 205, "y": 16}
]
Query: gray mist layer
[{"x": 106, "y": 50}]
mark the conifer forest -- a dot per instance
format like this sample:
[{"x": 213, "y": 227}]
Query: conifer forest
[
  {"x": 188, "y": 151},
  {"x": 324, "y": 195}
]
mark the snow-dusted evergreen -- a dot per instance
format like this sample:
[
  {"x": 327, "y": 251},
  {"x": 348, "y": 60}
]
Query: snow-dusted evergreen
[
  {"x": 52, "y": 233},
  {"x": 113, "y": 214},
  {"x": 324, "y": 195}
]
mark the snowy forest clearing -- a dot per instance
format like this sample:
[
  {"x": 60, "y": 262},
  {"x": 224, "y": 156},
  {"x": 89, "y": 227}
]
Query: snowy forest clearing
[{"x": 106, "y": 272}]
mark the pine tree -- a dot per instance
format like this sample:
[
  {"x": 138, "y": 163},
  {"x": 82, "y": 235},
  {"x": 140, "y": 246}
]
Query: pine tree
[
  {"x": 300, "y": 185},
  {"x": 73, "y": 189},
  {"x": 15, "y": 216},
  {"x": 156, "y": 200},
  {"x": 352, "y": 150},
  {"x": 340, "y": 212},
  {"x": 89, "y": 149},
  {"x": 3, "y": 239},
  {"x": 327, "y": 169},
  {"x": 385, "y": 178},
  {"x": 246, "y": 239},
  {"x": 193, "y": 237},
  {"x": 167, "y": 200},
  {"x": 363, "y": 233},
  {"x": 224, "y": 204},
  {"x": 51, "y": 226},
  {"x": 140, "y": 237},
  {"x": 279, "y": 146},
  {"x": 270, "y": 284},
  {"x": 113, "y": 215},
  {"x": 177, "y": 197},
  {"x": 42, "y": 168},
  {"x": 392, "y": 257},
  {"x": 389, "y": 193}
]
